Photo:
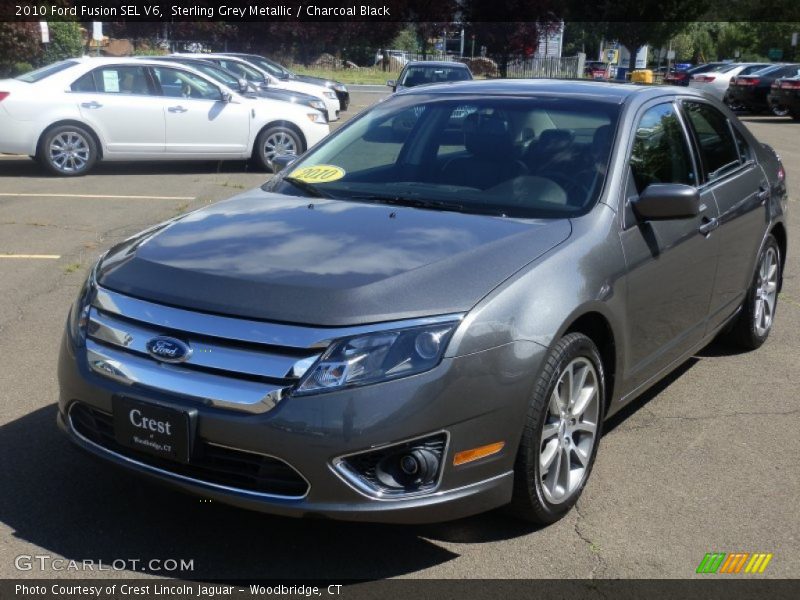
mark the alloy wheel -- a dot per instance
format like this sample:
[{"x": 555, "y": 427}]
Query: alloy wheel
[
  {"x": 766, "y": 292},
  {"x": 69, "y": 152},
  {"x": 279, "y": 143},
  {"x": 570, "y": 431}
]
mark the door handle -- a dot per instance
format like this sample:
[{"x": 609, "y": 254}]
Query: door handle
[
  {"x": 708, "y": 225},
  {"x": 92, "y": 104},
  {"x": 177, "y": 109},
  {"x": 763, "y": 194}
]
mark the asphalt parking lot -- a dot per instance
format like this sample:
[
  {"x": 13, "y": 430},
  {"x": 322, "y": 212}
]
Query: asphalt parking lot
[{"x": 707, "y": 461}]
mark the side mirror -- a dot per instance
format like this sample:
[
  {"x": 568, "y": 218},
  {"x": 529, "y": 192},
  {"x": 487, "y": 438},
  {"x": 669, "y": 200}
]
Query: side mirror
[
  {"x": 663, "y": 201},
  {"x": 243, "y": 85},
  {"x": 227, "y": 97},
  {"x": 391, "y": 83},
  {"x": 280, "y": 162}
]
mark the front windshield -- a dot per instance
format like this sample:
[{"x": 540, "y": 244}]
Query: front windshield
[
  {"x": 214, "y": 72},
  {"x": 241, "y": 70},
  {"x": 506, "y": 156},
  {"x": 270, "y": 67}
]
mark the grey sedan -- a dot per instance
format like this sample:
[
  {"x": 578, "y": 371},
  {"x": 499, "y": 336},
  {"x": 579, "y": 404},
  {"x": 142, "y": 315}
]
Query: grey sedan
[{"x": 433, "y": 312}]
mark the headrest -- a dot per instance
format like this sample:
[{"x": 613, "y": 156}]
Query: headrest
[
  {"x": 487, "y": 136},
  {"x": 555, "y": 139}
]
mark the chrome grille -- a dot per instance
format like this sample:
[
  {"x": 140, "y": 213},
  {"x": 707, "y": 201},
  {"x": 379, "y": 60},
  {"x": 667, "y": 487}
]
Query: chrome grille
[{"x": 235, "y": 364}]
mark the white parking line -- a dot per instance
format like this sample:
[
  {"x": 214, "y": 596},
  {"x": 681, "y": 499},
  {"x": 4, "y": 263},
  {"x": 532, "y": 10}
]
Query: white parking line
[
  {"x": 42, "y": 256},
  {"x": 101, "y": 196}
]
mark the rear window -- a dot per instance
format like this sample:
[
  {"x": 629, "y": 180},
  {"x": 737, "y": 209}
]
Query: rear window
[
  {"x": 421, "y": 75},
  {"x": 39, "y": 74}
]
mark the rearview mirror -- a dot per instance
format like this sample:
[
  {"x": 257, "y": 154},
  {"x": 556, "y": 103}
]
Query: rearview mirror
[
  {"x": 280, "y": 162},
  {"x": 663, "y": 201}
]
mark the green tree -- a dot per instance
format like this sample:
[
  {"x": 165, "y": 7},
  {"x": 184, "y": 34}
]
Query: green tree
[
  {"x": 66, "y": 41},
  {"x": 20, "y": 47}
]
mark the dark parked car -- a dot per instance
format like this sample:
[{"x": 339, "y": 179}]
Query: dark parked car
[
  {"x": 784, "y": 97},
  {"x": 422, "y": 72},
  {"x": 751, "y": 91},
  {"x": 684, "y": 76},
  {"x": 281, "y": 72},
  {"x": 431, "y": 313},
  {"x": 242, "y": 85}
]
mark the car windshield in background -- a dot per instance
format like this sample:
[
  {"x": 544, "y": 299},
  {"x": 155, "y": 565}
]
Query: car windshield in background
[
  {"x": 39, "y": 74},
  {"x": 421, "y": 75},
  {"x": 505, "y": 156}
]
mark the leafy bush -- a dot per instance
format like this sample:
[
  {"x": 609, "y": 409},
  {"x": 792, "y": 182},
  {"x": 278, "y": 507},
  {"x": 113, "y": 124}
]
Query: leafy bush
[
  {"x": 66, "y": 41},
  {"x": 19, "y": 42}
]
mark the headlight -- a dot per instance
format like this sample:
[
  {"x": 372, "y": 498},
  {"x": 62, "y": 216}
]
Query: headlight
[
  {"x": 331, "y": 95},
  {"x": 79, "y": 313},
  {"x": 375, "y": 357},
  {"x": 318, "y": 104},
  {"x": 339, "y": 87},
  {"x": 316, "y": 117}
]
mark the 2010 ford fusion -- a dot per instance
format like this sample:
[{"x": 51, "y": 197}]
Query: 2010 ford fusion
[{"x": 432, "y": 313}]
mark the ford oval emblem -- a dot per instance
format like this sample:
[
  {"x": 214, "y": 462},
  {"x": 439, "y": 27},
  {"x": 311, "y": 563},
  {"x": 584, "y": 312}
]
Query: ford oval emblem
[{"x": 168, "y": 349}]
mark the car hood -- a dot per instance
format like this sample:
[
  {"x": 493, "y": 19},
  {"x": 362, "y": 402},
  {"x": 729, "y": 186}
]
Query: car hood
[
  {"x": 314, "y": 80},
  {"x": 324, "y": 262}
]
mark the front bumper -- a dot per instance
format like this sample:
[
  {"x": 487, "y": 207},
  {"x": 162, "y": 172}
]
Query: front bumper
[
  {"x": 344, "y": 99},
  {"x": 750, "y": 97},
  {"x": 476, "y": 399}
]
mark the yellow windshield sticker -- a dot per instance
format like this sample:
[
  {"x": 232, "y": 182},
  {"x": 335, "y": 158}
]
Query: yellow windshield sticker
[{"x": 318, "y": 174}]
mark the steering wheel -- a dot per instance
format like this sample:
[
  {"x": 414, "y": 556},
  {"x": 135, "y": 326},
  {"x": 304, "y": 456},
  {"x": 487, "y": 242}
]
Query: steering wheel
[{"x": 575, "y": 187}]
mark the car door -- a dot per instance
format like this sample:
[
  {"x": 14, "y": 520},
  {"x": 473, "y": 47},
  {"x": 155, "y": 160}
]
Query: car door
[
  {"x": 741, "y": 191},
  {"x": 670, "y": 264},
  {"x": 120, "y": 103},
  {"x": 199, "y": 121}
]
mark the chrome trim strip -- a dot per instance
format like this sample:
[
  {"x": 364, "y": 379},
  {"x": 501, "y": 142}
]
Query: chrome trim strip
[
  {"x": 356, "y": 482},
  {"x": 212, "y": 390},
  {"x": 244, "y": 330},
  {"x": 106, "y": 328},
  {"x": 172, "y": 475}
]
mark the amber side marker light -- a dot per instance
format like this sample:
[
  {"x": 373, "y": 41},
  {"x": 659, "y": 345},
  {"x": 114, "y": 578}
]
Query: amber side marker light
[{"x": 468, "y": 456}]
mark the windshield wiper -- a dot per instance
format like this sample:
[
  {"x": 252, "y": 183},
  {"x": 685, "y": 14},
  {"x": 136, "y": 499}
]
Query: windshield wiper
[
  {"x": 412, "y": 202},
  {"x": 308, "y": 188}
]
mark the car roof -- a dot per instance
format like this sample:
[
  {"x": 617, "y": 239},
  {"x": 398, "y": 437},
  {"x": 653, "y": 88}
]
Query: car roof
[
  {"x": 435, "y": 64},
  {"x": 598, "y": 90}
]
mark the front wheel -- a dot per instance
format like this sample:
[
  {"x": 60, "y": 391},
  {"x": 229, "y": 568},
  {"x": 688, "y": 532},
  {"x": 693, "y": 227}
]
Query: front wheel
[
  {"x": 755, "y": 320},
  {"x": 276, "y": 141},
  {"x": 562, "y": 432},
  {"x": 68, "y": 150}
]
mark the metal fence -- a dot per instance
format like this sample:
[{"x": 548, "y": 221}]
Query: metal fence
[{"x": 545, "y": 66}]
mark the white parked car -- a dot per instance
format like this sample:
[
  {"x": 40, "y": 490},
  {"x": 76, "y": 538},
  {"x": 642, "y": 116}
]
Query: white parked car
[
  {"x": 715, "y": 82},
  {"x": 73, "y": 113},
  {"x": 263, "y": 78}
]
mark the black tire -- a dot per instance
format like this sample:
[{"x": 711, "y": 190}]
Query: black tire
[
  {"x": 529, "y": 501},
  {"x": 795, "y": 115},
  {"x": 271, "y": 138},
  {"x": 779, "y": 111},
  {"x": 745, "y": 332},
  {"x": 67, "y": 151}
]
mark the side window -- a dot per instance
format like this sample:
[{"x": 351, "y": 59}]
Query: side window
[
  {"x": 745, "y": 154},
  {"x": 660, "y": 152},
  {"x": 115, "y": 80},
  {"x": 84, "y": 84},
  {"x": 718, "y": 149},
  {"x": 183, "y": 84}
]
